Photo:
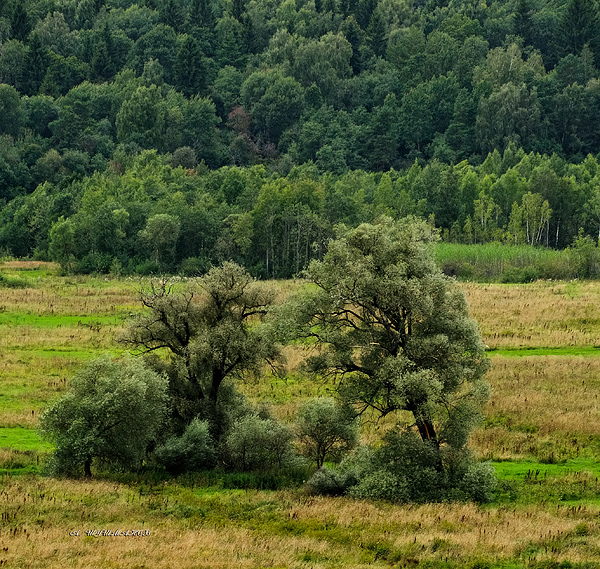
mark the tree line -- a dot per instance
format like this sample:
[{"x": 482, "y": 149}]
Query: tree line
[{"x": 143, "y": 216}]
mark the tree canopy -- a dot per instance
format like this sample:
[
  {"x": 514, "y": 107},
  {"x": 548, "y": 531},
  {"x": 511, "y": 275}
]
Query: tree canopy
[
  {"x": 110, "y": 413},
  {"x": 396, "y": 329},
  {"x": 210, "y": 332},
  {"x": 396, "y": 333},
  {"x": 322, "y": 91}
]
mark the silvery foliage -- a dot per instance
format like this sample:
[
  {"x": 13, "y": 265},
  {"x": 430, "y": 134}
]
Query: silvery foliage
[
  {"x": 110, "y": 413},
  {"x": 395, "y": 334}
]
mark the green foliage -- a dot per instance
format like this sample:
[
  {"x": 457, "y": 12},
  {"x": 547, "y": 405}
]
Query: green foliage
[
  {"x": 254, "y": 443},
  {"x": 326, "y": 430},
  {"x": 161, "y": 234},
  {"x": 193, "y": 450},
  {"x": 396, "y": 332},
  {"x": 13, "y": 282},
  {"x": 364, "y": 86},
  {"x": 11, "y": 111},
  {"x": 405, "y": 468},
  {"x": 505, "y": 263},
  {"x": 584, "y": 254},
  {"x": 111, "y": 412},
  {"x": 331, "y": 482},
  {"x": 207, "y": 332}
]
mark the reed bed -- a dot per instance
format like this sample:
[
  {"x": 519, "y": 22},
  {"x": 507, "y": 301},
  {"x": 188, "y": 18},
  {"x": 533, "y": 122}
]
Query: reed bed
[{"x": 497, "y": 261}]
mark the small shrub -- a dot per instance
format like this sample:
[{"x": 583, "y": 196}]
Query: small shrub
[
  {"x": 147, "y": 268},
  {"x": 116, "y": 267},
  {"x": 12, "y": 282},
  {"x": 382, "y": 485},
  {"x": 326, "y": 429},
  {"x": 193, "y": 267},
  {"x": 582, "y": 529},
  {"x": 93, "y": 263},
  {"x": 329, "y": 482},
  {"x": 408, "y": 469},
  {"x": 194, "y": 450},
  {"x": 110, "y": 413},
  {"x": 254, "y": 443},
  {"x": 479, "y": 482},
  {"x": 516, "y": 275},
  {"x": 458, "y": 269}
]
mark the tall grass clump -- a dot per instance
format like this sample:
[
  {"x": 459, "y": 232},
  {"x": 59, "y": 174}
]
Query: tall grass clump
[
  {"x": 493, "y": 262},
  {"x": 12, "y": 282}
]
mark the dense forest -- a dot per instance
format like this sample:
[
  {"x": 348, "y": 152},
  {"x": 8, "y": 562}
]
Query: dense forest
[{"x": 171, "y": 135}]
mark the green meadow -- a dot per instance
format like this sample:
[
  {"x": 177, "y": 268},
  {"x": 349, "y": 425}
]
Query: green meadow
[{"x": 541, "y": 431}]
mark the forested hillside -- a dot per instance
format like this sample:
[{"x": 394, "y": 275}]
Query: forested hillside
[{"x": 172, "y": 134}]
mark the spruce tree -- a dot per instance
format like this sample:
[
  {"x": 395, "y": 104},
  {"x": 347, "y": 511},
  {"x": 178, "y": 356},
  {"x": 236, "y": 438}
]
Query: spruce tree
[
  {"x": 579, "y": 25},
  {"x": 189, "y": 69},
  {"x": 353, "y": 34},
  {"x": 20, "y": 23},
  {"x": 36, "y": 64},
  {"x": 103, "y": 66},
  {"x": 522, "y": 21}
]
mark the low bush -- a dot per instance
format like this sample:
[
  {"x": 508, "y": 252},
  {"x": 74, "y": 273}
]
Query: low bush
[
  {"x": 254, "y": 443},
  {"x": 93, "y": 263},
  {"x": 192, "y": 451},
  {"x": 326, "y": 430},
  {"x": 331, "y": 482},
  {"x": 407, "y": 469},
  {"x": 12, "y": 282}
]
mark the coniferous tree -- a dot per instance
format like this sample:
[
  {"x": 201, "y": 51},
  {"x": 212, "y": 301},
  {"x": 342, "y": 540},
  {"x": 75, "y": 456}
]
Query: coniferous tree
[
  {"x": 522, "y": 21},
  {"x": 377, "y": 34},
  {"x": 251, "y": 40},
  {"x": 20, "y": 23},
  {"x": 189, "y": 69},
  {"x": 353, "y": 34},
  {"x": 171, "y": 14},
  {"x": 36, "y": 64},
  {"x": 102, "y": 65},
  {"x": 364, "y": 11},
  {"x": 201, "y": 14},
  {"x": 579, "y": 25},
  {"x": 238, "y": 8}
]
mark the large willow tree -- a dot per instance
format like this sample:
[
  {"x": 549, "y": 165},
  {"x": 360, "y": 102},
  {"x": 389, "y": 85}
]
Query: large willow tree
[
  {"x": 396, "y": 333},
  {"x": 210, "y": 331}
]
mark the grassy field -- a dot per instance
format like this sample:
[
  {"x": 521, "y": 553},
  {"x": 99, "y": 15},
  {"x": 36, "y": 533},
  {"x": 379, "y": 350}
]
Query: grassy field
[{"x": 542, "y": 432}]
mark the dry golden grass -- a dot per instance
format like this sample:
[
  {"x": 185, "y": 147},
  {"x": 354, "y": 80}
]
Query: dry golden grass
[
  {"x": 74, "y": 338},
  {"x": 543, "y": 314},
  {"x": 72, "y": 296},
  {"x": 258, "y": 529},
  {"x": 540, "y": 403},
  {"x": 29, "y": 265}
]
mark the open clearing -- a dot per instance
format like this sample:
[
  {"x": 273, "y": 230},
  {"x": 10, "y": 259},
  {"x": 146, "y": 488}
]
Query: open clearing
[{"x": 542, "y": 431}]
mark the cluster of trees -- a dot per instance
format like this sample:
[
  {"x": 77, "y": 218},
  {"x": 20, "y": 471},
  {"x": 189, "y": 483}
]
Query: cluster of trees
[
  {"x": 390, "y": 327},
  {"x": 144, "y": 216},
  {"x": 358, "y": 84}
]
